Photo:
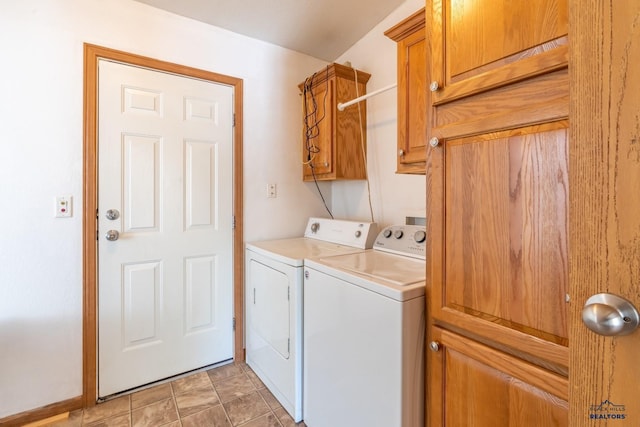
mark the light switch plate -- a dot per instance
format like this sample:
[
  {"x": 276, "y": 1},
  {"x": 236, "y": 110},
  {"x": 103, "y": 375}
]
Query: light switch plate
[{"x": 64, "y": 206}]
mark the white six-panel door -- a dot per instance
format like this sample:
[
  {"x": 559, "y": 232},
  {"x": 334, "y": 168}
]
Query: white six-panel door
[{"x": 165, "y": 286}]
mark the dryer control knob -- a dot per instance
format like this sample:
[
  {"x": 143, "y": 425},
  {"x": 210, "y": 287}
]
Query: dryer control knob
[
  {"x": 419, "y": 236},
  {"x": 398, "y": 234},
  {"x": 314, "y": 227},
  {"x": 358, "y": 233},
  {"x": 387, "y": 233}
]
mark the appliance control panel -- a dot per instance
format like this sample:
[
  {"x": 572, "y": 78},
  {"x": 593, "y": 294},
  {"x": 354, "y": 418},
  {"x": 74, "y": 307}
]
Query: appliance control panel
[
  {"x": 407, "y": 240},
  {"x": 349, "y": 233}
]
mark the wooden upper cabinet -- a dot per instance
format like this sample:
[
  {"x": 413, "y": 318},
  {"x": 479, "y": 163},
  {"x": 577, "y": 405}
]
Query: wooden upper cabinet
[
  {"x": 413, "y": 97},
  {"x": 478, "y": 45},
  {"x": 333, "y": 141}
]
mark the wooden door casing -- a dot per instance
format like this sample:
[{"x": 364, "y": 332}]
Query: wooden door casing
[{"x": 92, "y": 54}]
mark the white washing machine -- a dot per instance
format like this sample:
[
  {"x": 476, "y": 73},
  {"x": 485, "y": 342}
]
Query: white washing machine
[
  {"x": 364, "y": 332},
  {"x": 274, "y": 295}
]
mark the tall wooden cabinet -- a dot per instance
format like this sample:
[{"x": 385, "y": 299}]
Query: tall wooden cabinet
[
  {"x": 413, "y": 97},
  {"x": 497, "y": 194},
  {"x": 334, "y": 141}
]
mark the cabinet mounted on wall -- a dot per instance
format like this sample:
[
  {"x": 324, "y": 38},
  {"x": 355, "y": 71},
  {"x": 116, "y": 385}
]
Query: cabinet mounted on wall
[
  {"x": 334, "y": 142},
  {"x": 413, "y": 96}
]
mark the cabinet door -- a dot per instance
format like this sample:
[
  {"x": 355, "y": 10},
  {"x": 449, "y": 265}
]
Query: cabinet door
[
  {"x": 484, "y": 387},
  {"x": 412, "y": 103},
  {"x": 350, "y": 140},
  {"x": 497, "y": 267},
  {"x": 477, "y": 45},
  {"x": 318, "y": 131}
]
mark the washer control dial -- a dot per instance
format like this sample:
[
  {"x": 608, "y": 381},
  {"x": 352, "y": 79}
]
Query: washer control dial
[
  {"x": 407, "y": 239},
  {"x": 314, "y": 227},
  {"x": 419, "y": 236}
]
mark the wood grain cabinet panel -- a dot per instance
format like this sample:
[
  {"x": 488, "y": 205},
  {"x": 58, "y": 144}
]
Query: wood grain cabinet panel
[
  {"x": 478, "y": 45},
  {"x": 497, "y": 213},
  {"x": 506, "y": 228},
  {"x": 484, "y": 387},
  {"x": 413, "y": 95},
  {"x": 334, "y": 141},
  {"x": 497, "y": 261}
]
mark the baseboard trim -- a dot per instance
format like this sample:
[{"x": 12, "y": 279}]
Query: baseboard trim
[{"x": 42, "y": 413}]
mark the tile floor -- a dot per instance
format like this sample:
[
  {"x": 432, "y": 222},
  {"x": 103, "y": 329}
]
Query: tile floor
[{"x": 230, "y": 395}]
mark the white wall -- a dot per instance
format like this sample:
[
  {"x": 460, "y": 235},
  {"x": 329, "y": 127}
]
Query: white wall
[
  {"x": 41, "y": 156},
  {"x": 394, "y": 196}
]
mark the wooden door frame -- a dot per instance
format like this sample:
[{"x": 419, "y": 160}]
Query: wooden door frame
[{"x": 92, "y": 54}]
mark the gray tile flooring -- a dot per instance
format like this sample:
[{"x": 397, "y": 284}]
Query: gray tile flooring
[{"x": 227, "y": 396}]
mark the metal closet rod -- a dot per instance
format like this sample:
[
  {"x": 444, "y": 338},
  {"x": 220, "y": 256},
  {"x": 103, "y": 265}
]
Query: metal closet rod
[{"x": 342, "y": 106}]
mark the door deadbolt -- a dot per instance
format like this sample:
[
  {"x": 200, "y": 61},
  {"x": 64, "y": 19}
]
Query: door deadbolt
[{"x": 112, "y": 214}]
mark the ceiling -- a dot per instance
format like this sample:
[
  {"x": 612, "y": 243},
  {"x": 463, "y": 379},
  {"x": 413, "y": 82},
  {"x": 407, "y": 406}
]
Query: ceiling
[{"x": 324, "y": 29}]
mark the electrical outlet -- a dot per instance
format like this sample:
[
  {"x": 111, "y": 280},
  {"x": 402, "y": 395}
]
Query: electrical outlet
[
  {"x": 64, "y": 206},
  {"x": 272, "y": 191}
]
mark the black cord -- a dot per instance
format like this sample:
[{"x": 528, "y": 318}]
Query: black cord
[
  {"x": 311, "y": 121},
  {"x": 320, "y": 192},
  {"x": 312, "y": 129}
]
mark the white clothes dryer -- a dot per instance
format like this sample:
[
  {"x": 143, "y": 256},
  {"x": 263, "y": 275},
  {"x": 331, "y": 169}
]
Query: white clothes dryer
[
  {"x": 274, "y": 298},
  {"x": 364, "y": 318}
]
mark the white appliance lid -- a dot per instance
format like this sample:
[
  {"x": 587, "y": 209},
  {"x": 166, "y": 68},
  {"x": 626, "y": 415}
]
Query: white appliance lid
[
  {"x": 395, "y": 276},
  {"x": 392, "y": 268},
  {"x": 294, "y": 251}
]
